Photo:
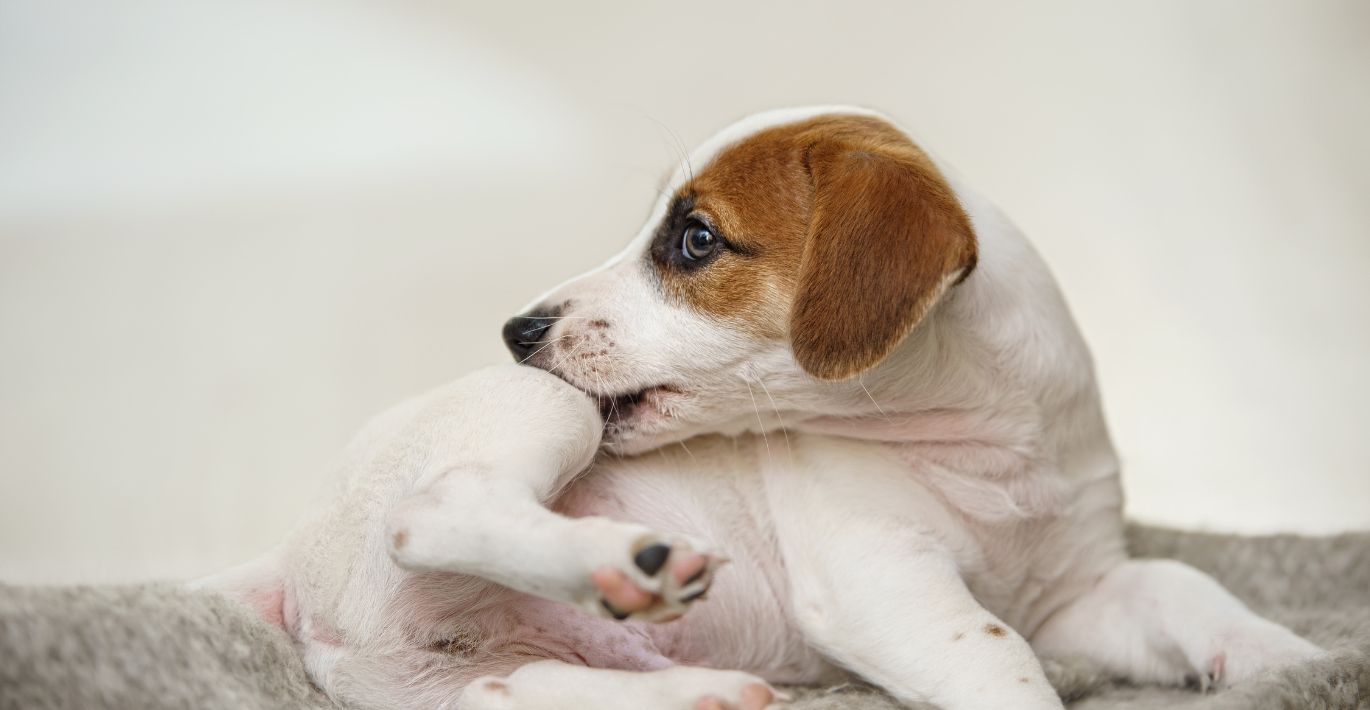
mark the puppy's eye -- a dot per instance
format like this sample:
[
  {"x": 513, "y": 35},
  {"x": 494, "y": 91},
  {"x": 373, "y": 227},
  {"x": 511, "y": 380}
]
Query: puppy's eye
[{"x": 698, "y": 242}]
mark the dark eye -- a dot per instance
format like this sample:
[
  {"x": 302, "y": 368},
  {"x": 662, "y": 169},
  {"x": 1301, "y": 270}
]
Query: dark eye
[{"x": 698, "y": 242}]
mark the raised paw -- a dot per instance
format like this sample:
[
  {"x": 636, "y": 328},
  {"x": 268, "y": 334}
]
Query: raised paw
[{"x": 664, "y": 580}]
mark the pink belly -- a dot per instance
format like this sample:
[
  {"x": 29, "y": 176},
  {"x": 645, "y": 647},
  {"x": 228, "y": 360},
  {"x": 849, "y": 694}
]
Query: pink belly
[{"x": 744, "y": 623}]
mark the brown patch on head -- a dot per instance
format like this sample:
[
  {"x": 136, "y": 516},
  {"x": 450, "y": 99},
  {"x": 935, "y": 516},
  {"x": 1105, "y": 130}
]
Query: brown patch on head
[
  {"x": 844, "y": 233},
  {"x": 995, "y": 630}
]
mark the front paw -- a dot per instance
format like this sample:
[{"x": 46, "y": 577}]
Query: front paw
[{"x": 659, "y": 583}]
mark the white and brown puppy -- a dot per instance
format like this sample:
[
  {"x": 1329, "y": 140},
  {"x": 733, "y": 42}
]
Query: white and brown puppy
[{"x": 893, "y": 432}]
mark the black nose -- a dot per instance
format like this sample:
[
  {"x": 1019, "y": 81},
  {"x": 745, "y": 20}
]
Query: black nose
[{"x": 524, "y": 334}]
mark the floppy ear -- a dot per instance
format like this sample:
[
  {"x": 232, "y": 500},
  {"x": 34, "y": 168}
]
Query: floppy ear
[{"x": 886, "y": 236}]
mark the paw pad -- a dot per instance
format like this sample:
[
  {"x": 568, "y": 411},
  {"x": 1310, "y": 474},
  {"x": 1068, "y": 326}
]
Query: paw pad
[
  {"x": 650, "y": 558},
  {"x": 676, "y": 576}
]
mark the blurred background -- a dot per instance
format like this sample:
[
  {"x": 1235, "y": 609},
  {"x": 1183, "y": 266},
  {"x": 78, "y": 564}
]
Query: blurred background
[{"x": 231, "y": 231}]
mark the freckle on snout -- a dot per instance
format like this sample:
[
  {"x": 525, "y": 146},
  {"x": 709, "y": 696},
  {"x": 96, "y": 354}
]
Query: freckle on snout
[
  {"x": 995, "y": 630},
  {"x": 1022, "y": 680},
  {"x": 599, "y": 323},
  {"x": 400, "y": 539},
  {"x": 959, "y": 635}
]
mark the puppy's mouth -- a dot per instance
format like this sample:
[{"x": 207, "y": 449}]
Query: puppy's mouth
[
  {"x": 618, "y": 409},
  {"x": 615, "y": 407}
]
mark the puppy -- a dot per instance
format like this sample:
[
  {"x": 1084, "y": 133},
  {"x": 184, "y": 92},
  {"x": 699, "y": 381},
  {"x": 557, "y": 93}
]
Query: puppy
[{"x": 825, "y": 359}]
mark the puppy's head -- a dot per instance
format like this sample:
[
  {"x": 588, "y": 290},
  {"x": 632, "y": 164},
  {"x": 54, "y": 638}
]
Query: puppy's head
[{"x": 794, "y": 253}]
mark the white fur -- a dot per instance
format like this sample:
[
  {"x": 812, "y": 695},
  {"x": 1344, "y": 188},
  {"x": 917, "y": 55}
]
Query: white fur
[{"x": 926, "y": 525}]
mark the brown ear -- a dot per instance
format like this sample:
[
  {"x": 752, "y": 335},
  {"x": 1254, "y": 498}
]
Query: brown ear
[{"x": 885, "y": 238}]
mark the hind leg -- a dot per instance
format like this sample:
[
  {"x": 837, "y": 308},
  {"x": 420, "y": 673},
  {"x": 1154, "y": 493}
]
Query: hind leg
[
  {"x": 1161, "y": 621},
  {"x": 506, "y": 441}
]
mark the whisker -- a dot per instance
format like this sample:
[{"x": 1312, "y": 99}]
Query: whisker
[
  {"x": 679, "y": 146},
  {"x": 613, "y": 412},
  {"x": 878, "y": 408},
  {"x": 783, "y": 429},
  {"x": 687, "y": 450},
  {"x": 567, "y": 355},
  {"x": 760, "y": 424},
  {"x": 613, "y": 406},
  {"x": 544, "y": 347}
]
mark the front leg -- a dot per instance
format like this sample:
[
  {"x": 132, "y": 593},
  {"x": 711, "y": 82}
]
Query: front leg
[
  {"x": 875, "y": 590},
  {"x": 895, "y": 610},
  {"x": 512, "y": 438}
]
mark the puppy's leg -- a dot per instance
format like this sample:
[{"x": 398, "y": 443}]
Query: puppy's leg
[
  {"x": 417, "y": 678},
  {"x": 512, "y": 438},
  {"x": 1161, "y": 621},
  {"x": 553, "y": 685},
  {"x": 876, "y": 590},
  {"x": 894, "y": 609}
]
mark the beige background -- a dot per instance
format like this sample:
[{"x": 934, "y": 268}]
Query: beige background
[{"x": 231, "y": 231}]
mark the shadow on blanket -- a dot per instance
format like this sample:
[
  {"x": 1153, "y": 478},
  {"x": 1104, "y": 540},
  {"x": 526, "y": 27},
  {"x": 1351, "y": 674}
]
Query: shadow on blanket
[{"x": 158, "y": 646}]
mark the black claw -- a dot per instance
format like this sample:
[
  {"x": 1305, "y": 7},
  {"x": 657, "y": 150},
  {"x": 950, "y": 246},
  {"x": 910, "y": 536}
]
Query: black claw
[
  {"x": 650, "y": 559},
  {"x": 696, "y": 576},
  {"x": 620, "y": 615},
  {"x": 691, "y": 597}
]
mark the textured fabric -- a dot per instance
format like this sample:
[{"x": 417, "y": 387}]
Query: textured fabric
[{"x": 158, "y": 646}]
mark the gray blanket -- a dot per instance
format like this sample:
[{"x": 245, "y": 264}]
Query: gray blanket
[{"x": 158, "y": 646}]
